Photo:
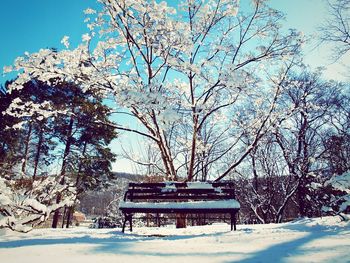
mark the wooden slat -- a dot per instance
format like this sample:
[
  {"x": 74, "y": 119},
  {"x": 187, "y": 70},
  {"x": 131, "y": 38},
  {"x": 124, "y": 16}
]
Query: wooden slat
[
  {"x": 181, "y": 197},
  {"x": 162, "y": 191},
  {"x": 179, "y": 184},
  {"x": 181, "y": 190}
]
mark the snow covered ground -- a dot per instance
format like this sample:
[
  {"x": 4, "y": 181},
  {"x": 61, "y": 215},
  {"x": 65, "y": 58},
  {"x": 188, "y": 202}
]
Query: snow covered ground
[{"x": 307, "y": 240}]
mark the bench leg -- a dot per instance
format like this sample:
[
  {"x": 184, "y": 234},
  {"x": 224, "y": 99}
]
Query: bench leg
[
  {"x": 127, "y": 217},
  {"x": 233, "y": 221},
  {"x": 124, "y": 223},
  {"x": 130, "y": 221},
  {"x": 158, "y": 220}
]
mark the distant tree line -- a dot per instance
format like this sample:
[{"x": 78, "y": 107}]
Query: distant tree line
[{"x": 287, "y": 173}]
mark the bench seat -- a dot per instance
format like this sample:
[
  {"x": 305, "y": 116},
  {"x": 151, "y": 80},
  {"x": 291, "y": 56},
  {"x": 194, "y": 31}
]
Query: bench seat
[{"x": 225, "y": 205}]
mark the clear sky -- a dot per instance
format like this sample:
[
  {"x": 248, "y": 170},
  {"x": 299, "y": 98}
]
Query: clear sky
[{"x": 28, "y": 25}]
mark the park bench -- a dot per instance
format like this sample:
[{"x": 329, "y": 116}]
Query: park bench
[{"x": 180, "y": 198}]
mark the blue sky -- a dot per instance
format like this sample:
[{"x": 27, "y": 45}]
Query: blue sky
[{"x": 28, "y": 25}]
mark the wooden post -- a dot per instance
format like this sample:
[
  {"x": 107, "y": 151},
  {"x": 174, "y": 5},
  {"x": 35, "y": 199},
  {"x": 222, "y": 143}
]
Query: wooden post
[
  {"x": 124, "y": 223},
  {"x": 181, "y": 220},
  {"x": 233, "y": 221},
  {"x": 130, "y": 220},
  {"x": 158, "y": 220}
]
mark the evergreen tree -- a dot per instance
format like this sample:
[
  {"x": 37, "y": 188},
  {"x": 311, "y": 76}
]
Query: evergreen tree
[{"x": 57, "y": 122}]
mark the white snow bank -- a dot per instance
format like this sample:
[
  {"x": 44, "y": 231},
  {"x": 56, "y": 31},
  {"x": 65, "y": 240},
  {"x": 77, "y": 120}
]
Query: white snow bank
[
  {"x": 184, "y": 205},
  {"x": 316, "y": 240},
  {"x": 341, "y": 182}
]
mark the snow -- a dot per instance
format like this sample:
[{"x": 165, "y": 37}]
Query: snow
[
  {"x": 184, "y": 205},
  {"x": 306, "y": 240},
  {"x": 341, "y": 182},
  {"x": 199, "y": 185},
  {"x": 35, "y": 205},
  {"x": 169, "y": 187},
  {"x": 4, "y": 200},
  {"x": 22, "y": 209},
  {"x": 65, "y": 41}
]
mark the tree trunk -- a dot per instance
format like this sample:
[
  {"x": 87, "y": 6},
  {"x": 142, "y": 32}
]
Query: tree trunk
[
  {"x": 70, "y": 210},
  {"x": 64, "y": 216},
  {"x": 181, "y": 220},
  {"x": 63, "y": 169},
  {"x": 255, "y": 173},
  {"x": 37, "y": 155},
  {"x": 190, "y": 174},
  {"x": 69, "y": 216},
  {"x": 301, "y": 194},
  {"x": 303, "y": 151},
  {"x": 26, "y": 149},
  {"x": 193, "y": 149},
  {"x": 56, "y": 215}
]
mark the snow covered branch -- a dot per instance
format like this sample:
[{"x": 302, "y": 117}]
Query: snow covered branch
[{"x": 25, "y": 204}]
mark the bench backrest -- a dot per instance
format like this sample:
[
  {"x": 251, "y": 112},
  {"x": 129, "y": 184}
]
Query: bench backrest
[{"x": 172, "y": 191}]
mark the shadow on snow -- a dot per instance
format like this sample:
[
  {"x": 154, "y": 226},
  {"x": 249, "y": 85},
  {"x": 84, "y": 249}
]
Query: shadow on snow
[{"x": 282, "y": 251}]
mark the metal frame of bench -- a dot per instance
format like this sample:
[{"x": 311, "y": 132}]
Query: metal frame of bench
[{"x": 176, "y": 192}]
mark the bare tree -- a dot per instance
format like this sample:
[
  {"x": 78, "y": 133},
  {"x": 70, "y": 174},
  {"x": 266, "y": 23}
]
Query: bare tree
[
  {"x": 286, "y": 165},
  {"x": 178, "y": 72},
  {"x": 336, "y": 29}
]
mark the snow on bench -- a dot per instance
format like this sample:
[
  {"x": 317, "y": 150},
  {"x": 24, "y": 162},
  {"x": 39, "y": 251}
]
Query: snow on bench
[{"x": 224, "y": 204}]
